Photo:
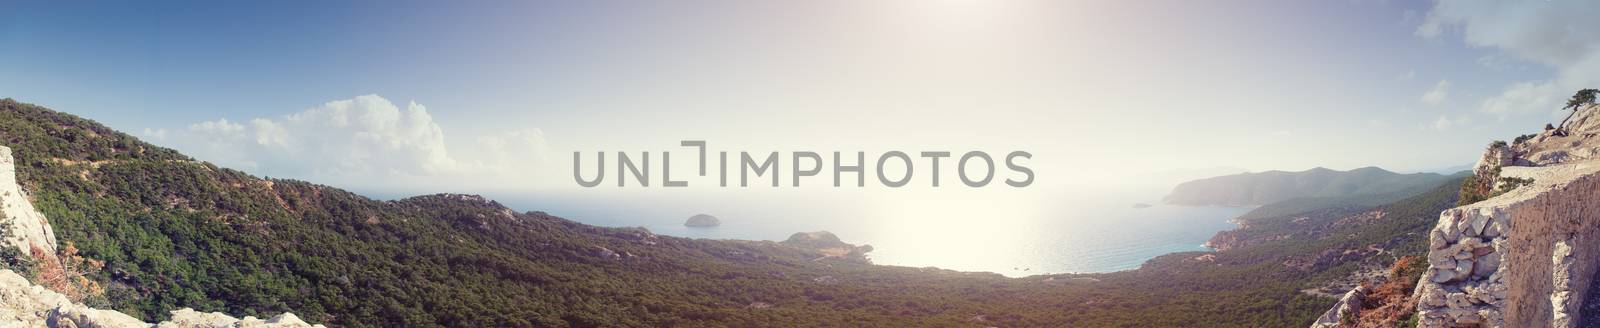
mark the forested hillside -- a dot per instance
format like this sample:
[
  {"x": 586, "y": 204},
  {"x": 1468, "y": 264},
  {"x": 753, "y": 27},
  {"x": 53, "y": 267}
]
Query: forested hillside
[{"x": 174, "y": 232}]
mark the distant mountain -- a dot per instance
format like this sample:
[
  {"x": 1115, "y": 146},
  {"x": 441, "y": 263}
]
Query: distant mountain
[
  {"x": 1170, "y": 177},
  {"x": 1308, "y": 204},
  {"x": 1249, "y": 189},
  {"x": 1453, "y": 169}
]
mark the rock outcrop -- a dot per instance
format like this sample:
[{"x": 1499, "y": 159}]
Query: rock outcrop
[
  {"x": 1349, "y": 306},
  {"x": 27, "y": 229},
  {"x": 1527, "y": 256},
  {"x": 24, "y": 304}
]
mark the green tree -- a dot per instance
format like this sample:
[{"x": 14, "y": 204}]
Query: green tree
[{"x": 1582, "y": 98}]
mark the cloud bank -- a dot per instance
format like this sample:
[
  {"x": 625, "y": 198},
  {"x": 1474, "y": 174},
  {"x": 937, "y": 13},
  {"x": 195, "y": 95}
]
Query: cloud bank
[
  {"x": 1557, "y": 34},
  {"x": 363, "y": 142}
]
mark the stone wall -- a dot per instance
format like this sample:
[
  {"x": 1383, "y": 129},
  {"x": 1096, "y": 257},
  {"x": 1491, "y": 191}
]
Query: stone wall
[{"x": 1522, "y": 259}]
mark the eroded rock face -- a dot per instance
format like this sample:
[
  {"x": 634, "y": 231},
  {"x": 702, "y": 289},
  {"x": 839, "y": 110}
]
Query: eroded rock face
[
  {"x": 1576, "y": 143},
  {"x": 28, "y": 229},
  {"x": 1349, "y": 306}
]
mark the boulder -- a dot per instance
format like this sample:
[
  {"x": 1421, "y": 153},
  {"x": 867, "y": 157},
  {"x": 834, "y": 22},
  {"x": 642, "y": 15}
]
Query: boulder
[{"x": 1349, "y": 306}]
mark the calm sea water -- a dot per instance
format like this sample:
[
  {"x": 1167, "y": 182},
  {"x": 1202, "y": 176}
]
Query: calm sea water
[{"x": 1023, "y": 234}]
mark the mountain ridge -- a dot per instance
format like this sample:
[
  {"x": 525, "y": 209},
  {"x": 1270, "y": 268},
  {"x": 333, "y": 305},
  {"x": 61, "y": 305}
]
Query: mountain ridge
[{"x": 1260, "y": 188}]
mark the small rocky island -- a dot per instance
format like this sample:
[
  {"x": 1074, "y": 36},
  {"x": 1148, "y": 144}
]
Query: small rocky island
[{"x": 702, "y": 221}]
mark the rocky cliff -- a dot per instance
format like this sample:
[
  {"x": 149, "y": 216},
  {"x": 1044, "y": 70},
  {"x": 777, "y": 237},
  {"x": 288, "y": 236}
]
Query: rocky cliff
[
  {"x": 26, "y": 229},
  {"x": 24, "y": 304},
  {"x": 1526, "y": 255}
]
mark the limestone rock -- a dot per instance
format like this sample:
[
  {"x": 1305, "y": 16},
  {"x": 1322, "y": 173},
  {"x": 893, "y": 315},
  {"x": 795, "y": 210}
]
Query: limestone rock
[
  {"x": 1348, "y": 306},
  {"x": 76, "y": 315},
  {"x": 1436, "y": 240},
  {"x": 1478, "y": 223},
  {"x": 1486, "y": 265},
  {"x": 1443, "y": 276},
  {"x": 28, "y": 228},
  {"x": 23, "y": 304},
  {"x": 190, "y": 318}
]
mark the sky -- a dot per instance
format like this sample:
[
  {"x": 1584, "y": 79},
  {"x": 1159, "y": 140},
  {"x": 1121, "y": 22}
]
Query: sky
[{"x": 397, "y": 97}]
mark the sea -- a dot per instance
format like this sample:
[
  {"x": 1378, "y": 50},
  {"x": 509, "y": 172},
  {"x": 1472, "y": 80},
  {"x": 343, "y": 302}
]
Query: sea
[{"x": 1018, "y": 234}]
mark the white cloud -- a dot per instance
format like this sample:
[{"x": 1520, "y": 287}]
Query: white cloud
[
  {"x": 1557, "y": 34},
  {"x": 1522, "y": 97},
  {"x": 509, "y": 151},
  {"x": 1411, "y": 74},
  {"x": 1495, "y": 62},
  {"x": 366, "y": 141},
  {"x": 1445, "y": 123},
  {"x": 221, "y": 126},
  {"x": 156, "y": 134},
  {"x": 1438, "y": 94}
]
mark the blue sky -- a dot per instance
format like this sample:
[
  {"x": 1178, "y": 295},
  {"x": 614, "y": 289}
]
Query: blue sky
[{"x": 512, "y": 87}]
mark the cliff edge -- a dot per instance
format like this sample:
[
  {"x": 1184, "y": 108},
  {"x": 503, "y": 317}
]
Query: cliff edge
[
  {"x": 25, "y": 229},
  {"x": 1525, "y": 255}
]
